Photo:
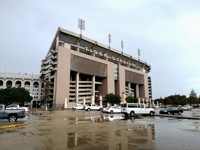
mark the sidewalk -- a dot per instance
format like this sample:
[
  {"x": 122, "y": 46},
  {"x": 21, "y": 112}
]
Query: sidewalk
[{"x": 4, "y": 124}]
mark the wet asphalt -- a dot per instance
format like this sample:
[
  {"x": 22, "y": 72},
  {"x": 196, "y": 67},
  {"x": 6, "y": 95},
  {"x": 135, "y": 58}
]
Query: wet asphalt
[{"x": 82, "y": 130}]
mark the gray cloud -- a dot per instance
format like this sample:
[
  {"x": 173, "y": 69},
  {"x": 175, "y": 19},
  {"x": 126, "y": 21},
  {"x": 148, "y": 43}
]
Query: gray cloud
[{"x": 167, "y": 32}]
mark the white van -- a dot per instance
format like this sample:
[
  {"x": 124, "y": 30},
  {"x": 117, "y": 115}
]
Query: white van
[{"x": 136, "y": 108}]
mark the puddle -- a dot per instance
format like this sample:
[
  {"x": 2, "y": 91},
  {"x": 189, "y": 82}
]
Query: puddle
[
  {"x": 95, "y": 130},
  {"x": 93, "y": 119}
]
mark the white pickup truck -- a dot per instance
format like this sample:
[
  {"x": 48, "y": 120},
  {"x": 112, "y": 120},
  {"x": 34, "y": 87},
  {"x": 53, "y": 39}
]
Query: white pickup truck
[
  {"x": 136, "y": 108},
  {"x": 16, "y": 106}
]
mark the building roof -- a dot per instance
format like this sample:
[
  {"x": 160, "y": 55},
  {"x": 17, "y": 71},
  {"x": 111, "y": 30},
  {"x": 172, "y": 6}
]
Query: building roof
[{"x": 72, "y": 38}]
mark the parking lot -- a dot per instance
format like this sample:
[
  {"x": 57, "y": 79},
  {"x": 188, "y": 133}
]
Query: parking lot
[{"x": 68, "y": 129}]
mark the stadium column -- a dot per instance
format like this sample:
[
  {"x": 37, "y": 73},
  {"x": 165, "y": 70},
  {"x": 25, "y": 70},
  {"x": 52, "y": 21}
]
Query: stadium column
[
  {"x": 77, "y": 86},
  {"x": 129, "y": 89},
  {"x": 93, "y": 86},
  {"x": 100, "y": 99},
  {"x": 137, "y": 91}
]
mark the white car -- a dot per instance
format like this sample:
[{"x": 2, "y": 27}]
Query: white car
[
  {"x": 186, "y": 107},
  {"x": 136, "y": 108},
  {"x": 16, "y": 106},
  {"x": 93, "y": 107},
  {"x": 112, "y": 109},
  {"x": 78, "y": 107}
]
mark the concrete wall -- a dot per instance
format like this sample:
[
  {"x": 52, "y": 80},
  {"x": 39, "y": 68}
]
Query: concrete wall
[
  {"x": 63, "y": 76},
  {"x": 121, "y": 80},
  {"x": 133, "y": 76}
]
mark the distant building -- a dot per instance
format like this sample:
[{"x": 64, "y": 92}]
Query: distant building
[
  {"x": 80, "y": 69},
  {"x": 30, "y": 82}
]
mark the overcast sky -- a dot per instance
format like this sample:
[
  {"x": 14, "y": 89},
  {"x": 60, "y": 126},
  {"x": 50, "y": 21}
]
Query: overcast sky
[{"x": 166, "y": 31}]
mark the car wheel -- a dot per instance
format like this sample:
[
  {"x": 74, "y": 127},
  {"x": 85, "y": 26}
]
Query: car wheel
[
  {"x": 88, "y": 109},
  {"x": 125, "y": 115},
  {"x": 132, "y": 114},
  {"x": 168, "y": 113},
  {"x": 151, "y": 113},
  {"x": 179, "y": 113},
  {"x": 111, "y": 112},
  {"x": 12, "y": 118}
]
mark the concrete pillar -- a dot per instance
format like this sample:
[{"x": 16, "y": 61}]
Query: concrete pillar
[
  {"x": 65, "y": 105},
  {"x": 92, "y": 99},
  {"x": 139, "y": 100},
  {"x": 147, "y": 100},
  {"x": 93, "y": 85},
  {"x": 123, "y": 97},
  {"x": 137, "y": 91},
  {"x": 129, "y": 88},
  {"x": 77, "y": 87},
  {"x": 100, "y": 99},
  {"x": 153, "y": 103},
  {"x": 83, "y": 101}
]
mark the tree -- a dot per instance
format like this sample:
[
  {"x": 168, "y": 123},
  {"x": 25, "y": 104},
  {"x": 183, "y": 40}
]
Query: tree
[
  {"x": 173, "y": 100},
  {"x": 112, "y": 98},
  {"x": 131, "y": 99},
  {"x": 14, "y": 95}
]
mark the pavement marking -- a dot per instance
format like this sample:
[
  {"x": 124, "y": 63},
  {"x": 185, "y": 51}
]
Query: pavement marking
[{"x": 13, "y": 125}]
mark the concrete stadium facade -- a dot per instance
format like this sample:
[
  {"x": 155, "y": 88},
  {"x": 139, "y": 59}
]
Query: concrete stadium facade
[
  {"x": 30, "y": 82},
  {"x": 79, "y": 69}
]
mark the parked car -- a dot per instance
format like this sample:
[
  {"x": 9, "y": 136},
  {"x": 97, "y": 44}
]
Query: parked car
[
  {"x": 93, "y": 107},
  {"x": 136, "y": 108},
  {"x": 11, "y": 114},
  {"x": 78, "y": 106},
  {"x": 171, "y": 110},
  {"x": 112, "y": 109},
  {"x": 186, "y": 107},
  {"x": 16, "y": 106}
]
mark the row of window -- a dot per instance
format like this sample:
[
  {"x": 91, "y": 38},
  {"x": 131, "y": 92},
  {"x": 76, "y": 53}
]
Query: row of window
[{"x": 19, "y": 84}]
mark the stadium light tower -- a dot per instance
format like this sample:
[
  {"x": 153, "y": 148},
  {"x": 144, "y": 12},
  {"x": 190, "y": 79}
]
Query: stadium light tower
[
  {"x": 122, "y": 45},
  {"x": 138, "y": 54},
  {"x": 109, "y": 40},
  {"x": 81, "y": 25}
]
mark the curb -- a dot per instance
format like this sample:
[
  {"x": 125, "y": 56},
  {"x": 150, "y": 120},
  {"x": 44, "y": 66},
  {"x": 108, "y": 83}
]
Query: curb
[{"x": 13, "y": 125}]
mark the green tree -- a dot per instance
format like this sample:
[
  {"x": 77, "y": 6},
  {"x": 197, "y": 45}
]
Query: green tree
[
  {"x": 14, "y": 95},
  {"x": 112, "y": 98},
  {"x": 131, "y": 99},
  {"x": 173, "y": 100},
  {"x": 192, "y": 100}
]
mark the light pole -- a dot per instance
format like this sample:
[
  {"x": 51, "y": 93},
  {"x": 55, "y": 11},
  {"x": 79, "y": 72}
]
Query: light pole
[{"x": 81, "y": 25}]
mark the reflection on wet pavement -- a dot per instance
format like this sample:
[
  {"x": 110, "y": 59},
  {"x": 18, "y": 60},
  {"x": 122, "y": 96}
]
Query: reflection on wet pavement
[{"x": 95, "y": 130}]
